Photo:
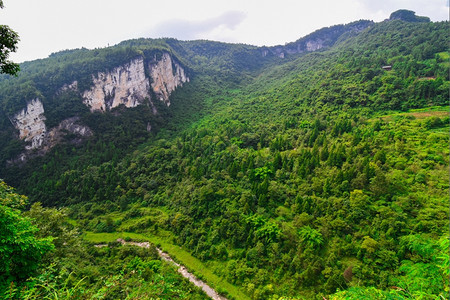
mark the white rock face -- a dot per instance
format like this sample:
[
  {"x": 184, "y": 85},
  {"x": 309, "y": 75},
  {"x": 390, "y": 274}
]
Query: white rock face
[
  {"x": 53, "y": 137},
  {"x": 69, "y": 125},
  {"x": 30, "y": 122},
  {"x": 68, "y": 87},
  {"x": 166, "y": 76},
  {"x": 126, "y": 85},
  {"x": 314, "y": 45},
  {"x": 56, "y": 134}
]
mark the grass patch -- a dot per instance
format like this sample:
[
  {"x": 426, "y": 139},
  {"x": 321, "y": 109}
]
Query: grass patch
[
  {"x": 421, "y": 113},
  {"x": 425, "y": 114},
  {"x": 198, "y": 267},
  {"x": 177, "y": 253},
  {"x": 104, "y": 237}
]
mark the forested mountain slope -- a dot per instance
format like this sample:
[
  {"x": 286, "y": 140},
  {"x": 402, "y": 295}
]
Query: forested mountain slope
[{"x": 307, "y": 175}]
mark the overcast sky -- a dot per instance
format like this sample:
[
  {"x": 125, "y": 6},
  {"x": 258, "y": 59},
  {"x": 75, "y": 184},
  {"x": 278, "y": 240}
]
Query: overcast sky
[{"x": 47, "y": 26}]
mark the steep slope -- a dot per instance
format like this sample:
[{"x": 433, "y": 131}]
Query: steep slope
[
  {"x": 125, "y": 85},
  {"x": 132, "y": 73},
  {"x": 323, "y": 38},
  {"x": 134, "y": 82},
  {"x": 30, "y": 122},
  {"x": 292, "y": 177}
]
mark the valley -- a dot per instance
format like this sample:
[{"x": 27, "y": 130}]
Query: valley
[{"x": 303, "y": 171}]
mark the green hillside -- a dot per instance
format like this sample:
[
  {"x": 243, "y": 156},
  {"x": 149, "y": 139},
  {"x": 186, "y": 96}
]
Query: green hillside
[{"x": 319, "y": 175}]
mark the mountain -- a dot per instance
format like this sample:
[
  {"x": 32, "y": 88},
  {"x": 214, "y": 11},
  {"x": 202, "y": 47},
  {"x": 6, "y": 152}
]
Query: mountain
[
  {"x": 408, "y": 16},
  {"x": 133, "y": 73},
  {"x": 314, "y": 169},
  {"x": 320, "y": 39}
]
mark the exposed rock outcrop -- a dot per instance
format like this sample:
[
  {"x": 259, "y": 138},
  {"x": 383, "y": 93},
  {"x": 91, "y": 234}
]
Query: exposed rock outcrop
[
  {"x": 68, "y": 87},
  {"x": 320, "y": 39},
  {"x": 128, "y": 84},
  {"x": 314, "y": 45},
  {"x": 51, "y": 138},
  {"x": 70, "y": 125},
  {"x": 166, "y": 75},
  {"x": 125, "y": 85},
  {"x": 30, "y": 122}
]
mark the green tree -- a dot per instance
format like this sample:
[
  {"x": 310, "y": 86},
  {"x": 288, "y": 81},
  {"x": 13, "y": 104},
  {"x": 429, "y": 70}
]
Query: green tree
[
  {"x": 8, "y": 44},
  {"x": 20, "y": 250},
  {"x": 53, "y": 223},
  {"x": 310, "y": 237}
]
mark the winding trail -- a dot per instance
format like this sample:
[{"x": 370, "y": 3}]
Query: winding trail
[{"x": 181, "y": 269}]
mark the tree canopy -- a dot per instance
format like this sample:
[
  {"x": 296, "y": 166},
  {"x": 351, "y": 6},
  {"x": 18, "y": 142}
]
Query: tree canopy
[
  {"x": 317, "y": 175},
  {"x": 8, "y": 44}
]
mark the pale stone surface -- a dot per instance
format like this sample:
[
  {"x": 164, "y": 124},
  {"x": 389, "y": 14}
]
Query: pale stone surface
[
  {"x": 125, "y": 85},
  {"x": 30, "y": 122},
  {"x": 70, "y": 125},
  {"x": 128, "y": 84},
  {"x": 166, "y": 76},
  {"x": 51, "y": 138},
  {"x": 68, "y": 87},
  {"x": 314, "y": 45}
]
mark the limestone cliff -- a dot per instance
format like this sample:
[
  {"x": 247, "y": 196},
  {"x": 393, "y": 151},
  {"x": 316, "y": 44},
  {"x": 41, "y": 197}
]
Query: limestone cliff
[
  {"x": 129, "y": 84},
  {"x": 70, "y": 125},
  {"x": 68, "y": 87},
  {"x": 48, "y": 139},
  {"x": 166, "y": 75},
  {"x": 314, "y": 45},
  {"x": 126, "y": 85},
  {"x": 30, "y": 122},
  {"x": 320, "y": 39}
]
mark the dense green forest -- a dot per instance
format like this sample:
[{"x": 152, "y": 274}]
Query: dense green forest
[{"x": 315, "y": 176}]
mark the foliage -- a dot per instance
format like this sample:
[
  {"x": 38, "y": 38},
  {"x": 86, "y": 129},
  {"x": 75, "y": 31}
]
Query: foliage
[
  {"x": 78, "y": 270},
  {"x": 321, "y": 175},
  {"x": 20, "y": 249},
  {"x": 408, "y": 16},
  {"x": 8, "y": 44}
]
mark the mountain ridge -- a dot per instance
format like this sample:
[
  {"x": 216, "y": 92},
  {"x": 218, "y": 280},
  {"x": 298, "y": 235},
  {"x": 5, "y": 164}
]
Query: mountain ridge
[
  {"x": 97, "y": 98},
  {"x": 67, "y": 94},
  {"x": 317, "y": 175}
]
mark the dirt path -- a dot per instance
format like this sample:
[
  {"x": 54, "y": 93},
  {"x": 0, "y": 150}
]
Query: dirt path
[{"x": 181, "y": 269}]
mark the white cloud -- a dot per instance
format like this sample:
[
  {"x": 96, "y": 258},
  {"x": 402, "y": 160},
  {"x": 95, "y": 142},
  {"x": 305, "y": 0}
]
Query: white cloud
[
  {"x": 436, "y": 10},
  {"x": 47, "y": 26},
  {"x": 188, "y": 30}
]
